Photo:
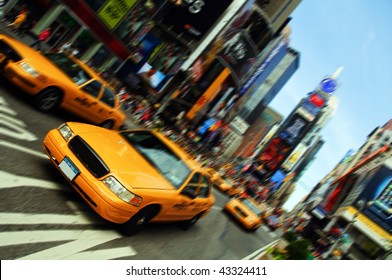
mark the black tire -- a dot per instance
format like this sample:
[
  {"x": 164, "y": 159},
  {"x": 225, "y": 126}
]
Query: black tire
[
  {"x": 138, "y": 221},
  {"x": 190, "y": 223},
  {"x": 48, "y": 99},
  {"x": 108, "y": 124}
]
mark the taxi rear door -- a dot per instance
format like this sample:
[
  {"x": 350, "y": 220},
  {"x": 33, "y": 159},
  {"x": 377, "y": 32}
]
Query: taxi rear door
[
  {"x": 189, "y": 201},
  {"x": 96, "y": 101}
]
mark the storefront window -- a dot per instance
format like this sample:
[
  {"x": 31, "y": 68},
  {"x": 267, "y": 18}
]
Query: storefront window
[
  {"x": 100, "y": 57},
  {"x": 83, "y": 42},
  {"x": 63, "y": 29},
  {"x": 138, "y": 22}
]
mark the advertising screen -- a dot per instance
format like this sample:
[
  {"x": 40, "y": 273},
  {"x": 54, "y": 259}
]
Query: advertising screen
[
  {"x": 238, "y": 52},
  {"x": 274, "y": 154},
  {"x": 151, "y": 75},
  {"x": 313, "y": 103},
  {"x": 264, "y": 68},
  {"x": 195, "y": 17},
  {"x": 112, "y": 13},
  {"x": 145, "y": 49},
  {"x": 294, "y": 130},
  {"x": 377, "y": 194}
]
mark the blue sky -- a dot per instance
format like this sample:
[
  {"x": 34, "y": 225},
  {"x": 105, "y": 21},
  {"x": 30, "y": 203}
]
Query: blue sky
[{"x": 358, "y": 36}]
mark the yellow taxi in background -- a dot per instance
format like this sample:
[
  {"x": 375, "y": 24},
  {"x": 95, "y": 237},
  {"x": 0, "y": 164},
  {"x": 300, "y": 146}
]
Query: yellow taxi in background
[
  {"x": 246, "y": 211},
  {"x": 224, "y": 183},
  {"x": 130, "y": 177},
  {"x": 57, "y": 80}
]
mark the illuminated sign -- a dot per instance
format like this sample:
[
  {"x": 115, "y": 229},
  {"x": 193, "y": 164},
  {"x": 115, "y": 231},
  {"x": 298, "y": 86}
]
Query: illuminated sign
[
  {"x": 295, "y": 157},
  {"x": 261, "y": 69},
  {"x": 112, "y": 13},
  {"x": 195, "y": 17},
  {"x": 238, "y": 52},
  {"x": 328, "y": 85},
  {"x": 294, "y": 130},
  {"x": 239, "y": 125},
  {"x": 312, "y": 105},
  {"x": 274, "y": 154},
  {"x": 377, "y": 193}
]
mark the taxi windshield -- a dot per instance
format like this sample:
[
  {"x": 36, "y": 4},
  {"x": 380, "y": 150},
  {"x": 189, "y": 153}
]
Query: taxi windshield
[
  {"x": 251, "y": 205},
  {"x": 159, "y": 155},
  {"x": 69, "y": 67}
]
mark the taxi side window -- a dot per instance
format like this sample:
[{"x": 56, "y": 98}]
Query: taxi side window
[
  {"x": 193, "y": 184},
  {"x": 92, "y": 88},
  {"x": 204, "y": 187},
  {"x": 108, "y": 97}
]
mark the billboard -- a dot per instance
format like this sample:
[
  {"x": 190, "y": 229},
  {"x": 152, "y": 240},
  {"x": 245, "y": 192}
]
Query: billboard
[
  {"x": 214, "y": 48},
  {"x": 294, "y": 130},
  {"x": 378, "y": 195},
  {"x": 114, "y": 10},
  {"x": 273, "y": 154},
  {"x": 265, "y": 67},
  {"x": 277, "y": 179},
  {"x": 313, "y": 103},
  {"x": 239, "y": 53},
  {"x": 195, "y": 17},
  {"x": 294, "y": 157}
]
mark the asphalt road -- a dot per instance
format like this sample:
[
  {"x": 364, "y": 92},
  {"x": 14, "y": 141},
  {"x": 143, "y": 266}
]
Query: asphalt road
[{"x": 41, "y": 217}]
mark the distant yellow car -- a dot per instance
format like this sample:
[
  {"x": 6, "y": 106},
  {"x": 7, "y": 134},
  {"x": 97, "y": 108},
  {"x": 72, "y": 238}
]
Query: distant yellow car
[
  {"x": 57, "y": 80},
  {"x": 130, "y": 177},
  {"x": 223, "y": 183},
  {"x": 246, "y": 211}
]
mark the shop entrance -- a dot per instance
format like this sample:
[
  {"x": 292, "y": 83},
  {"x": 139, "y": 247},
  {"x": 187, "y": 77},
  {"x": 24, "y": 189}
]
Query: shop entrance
[{"x": 63, "y": 29}]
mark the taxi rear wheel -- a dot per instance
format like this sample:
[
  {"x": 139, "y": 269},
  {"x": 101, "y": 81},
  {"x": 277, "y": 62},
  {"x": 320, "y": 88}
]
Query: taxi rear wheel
[
  {"x": 48, "y": 99},
  {"x": 138, "y": 221},
  {"x": 189, "y": 223}
]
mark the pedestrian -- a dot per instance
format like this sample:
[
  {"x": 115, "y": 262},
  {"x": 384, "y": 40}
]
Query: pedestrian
[
  {"x": 19, "y": 20},
  {"x": 75, "y": 52},
  {"x": 65, "y": 48},
  {"x": 42, "y": 37}
]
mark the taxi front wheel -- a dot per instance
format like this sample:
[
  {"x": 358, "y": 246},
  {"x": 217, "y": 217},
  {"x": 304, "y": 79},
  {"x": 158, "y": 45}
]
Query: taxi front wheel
[
  {"x": 48, "y": 99},
  {"x": 138, "y": 221}
]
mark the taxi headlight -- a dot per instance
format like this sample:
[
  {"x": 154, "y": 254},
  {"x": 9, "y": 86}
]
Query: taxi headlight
[
  {"x": 66, "y": 132},
  {"x": 121, "y": 192}
]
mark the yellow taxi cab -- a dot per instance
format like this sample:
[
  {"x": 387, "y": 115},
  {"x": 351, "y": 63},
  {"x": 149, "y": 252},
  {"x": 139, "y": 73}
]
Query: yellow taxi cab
[
  {"x": 130, "y": 177},
  {"x": 58, "y": 80},
  {"x": 246, "y": 211},
  {"x": 224, "y": 183}
]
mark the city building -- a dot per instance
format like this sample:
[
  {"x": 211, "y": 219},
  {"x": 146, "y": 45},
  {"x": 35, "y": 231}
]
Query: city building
[
  {"x": 355, "y": 200},
  {"x": 256, "y": 135},
  {"x": 218, "y": 73},
  {"x": 296, "y": 134}
]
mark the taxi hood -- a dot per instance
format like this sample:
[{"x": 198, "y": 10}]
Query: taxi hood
[{"x": 124, "y": 162}]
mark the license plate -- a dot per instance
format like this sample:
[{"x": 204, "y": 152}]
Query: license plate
[
  {"x": 2, "y": 57},
  {"x": 69, "y": 169}
]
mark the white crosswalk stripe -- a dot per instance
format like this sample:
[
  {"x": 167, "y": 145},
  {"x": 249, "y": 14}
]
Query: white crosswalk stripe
[
  {"x": 31, "y": 219},
  {"x": 82, "y": 240}
]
